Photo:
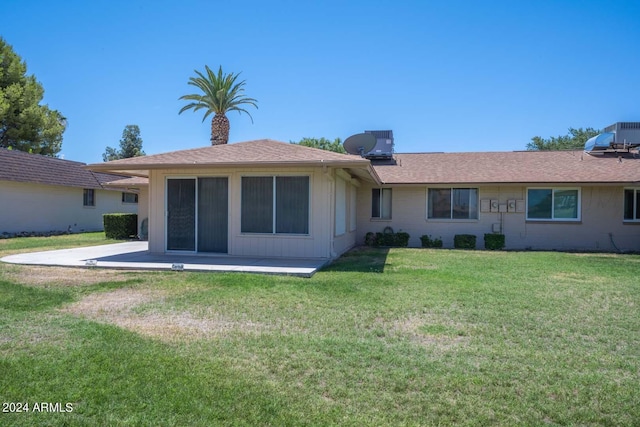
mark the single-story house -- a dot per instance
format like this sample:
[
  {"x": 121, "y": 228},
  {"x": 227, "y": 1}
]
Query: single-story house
[
  {"x": 256, "y": 198},
  {"x": 269, "y": 198},
  {"x": 46, "y": 194}
]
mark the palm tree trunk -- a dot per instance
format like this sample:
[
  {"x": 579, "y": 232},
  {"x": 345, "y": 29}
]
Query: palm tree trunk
[{"x": 219, "y": 129}]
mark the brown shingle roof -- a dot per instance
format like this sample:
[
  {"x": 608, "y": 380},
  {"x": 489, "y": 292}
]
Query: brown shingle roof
[
  {"x": 412, "y": 168},
  {"x": 509, "y": 167},
  {"x": 24, "y": 167},
  {"x": 134, "y": 181},
  {"x": 263, "y": 152}
]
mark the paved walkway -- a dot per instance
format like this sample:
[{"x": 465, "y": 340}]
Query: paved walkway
[{"x": 135, "y": 256}]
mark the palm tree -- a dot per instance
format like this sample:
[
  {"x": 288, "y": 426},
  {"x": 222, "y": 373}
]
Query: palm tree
[{"x": 221, "y": 93}]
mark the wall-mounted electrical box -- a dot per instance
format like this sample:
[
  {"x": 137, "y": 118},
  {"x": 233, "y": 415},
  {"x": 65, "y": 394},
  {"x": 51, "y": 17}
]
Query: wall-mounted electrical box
[
  {"x": 495, "y": 227},
  {"x": 494, "y": 205}
]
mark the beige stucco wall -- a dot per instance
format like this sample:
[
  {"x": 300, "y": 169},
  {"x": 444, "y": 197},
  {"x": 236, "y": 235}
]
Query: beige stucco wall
[
  {"x": 317, "y": 244},
  {"x": 601, "y": 226},
  {"x": 36, "y": 207}
]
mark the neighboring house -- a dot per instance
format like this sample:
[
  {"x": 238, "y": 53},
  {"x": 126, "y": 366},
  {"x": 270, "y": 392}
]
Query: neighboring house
[
  {"x": 268, "y": 198},
  {"x": 134, "y": 190},
  {"x": 44, "y": 194}
]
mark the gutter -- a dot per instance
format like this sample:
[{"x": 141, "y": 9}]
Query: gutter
[{"x": 518, "y": 183}]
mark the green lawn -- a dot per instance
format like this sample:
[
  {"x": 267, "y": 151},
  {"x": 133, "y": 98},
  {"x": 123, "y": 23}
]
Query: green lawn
[
  {"x": 33, "y": 244},
  {"x": 397, "y": 337}
]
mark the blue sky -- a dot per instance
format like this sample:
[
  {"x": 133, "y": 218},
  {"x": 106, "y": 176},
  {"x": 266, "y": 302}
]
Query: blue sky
[{"x": 444, "y": 76}]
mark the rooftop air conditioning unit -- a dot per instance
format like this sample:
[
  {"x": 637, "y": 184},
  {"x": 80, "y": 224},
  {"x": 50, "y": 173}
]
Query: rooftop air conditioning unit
[
  {"x": 384, "y": 145},
  {"x": 618, "y": 137}
]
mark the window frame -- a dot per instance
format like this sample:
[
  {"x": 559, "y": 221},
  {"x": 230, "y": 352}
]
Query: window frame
[
  {"x": 89, "y": 202},
  {"x": 125, "y": 202},
  {"x": 636, "y": 209},
  {"x": 553, "y": 190},
  {"x": 274, "y": 198},
  {"x": 381, "y": 202},
  {"x": 452, "y": 204}
]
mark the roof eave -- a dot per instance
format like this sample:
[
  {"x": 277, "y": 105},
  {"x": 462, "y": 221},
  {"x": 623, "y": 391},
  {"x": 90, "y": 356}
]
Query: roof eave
[
  {"x": 116, "y": 185},
  {"x": 374, "y": 174},
  {"x": 106, "y": 167}
]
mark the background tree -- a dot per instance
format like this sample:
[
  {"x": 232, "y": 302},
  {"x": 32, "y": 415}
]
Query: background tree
[
  {"x": 322, "y": 143},
  {"x": 220, "y": 94},
  {"x": 130, "y": 145},
  {"x": 574, "y": 140},
  {"x": 26, "y": 125}
]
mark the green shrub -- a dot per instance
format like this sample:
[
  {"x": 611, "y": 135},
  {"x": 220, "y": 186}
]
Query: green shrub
[
  {"x": 401, "y": 239},
  {"x": 387, "y": 238},
  {"x": 464, "y": 241},
  {"x": 120, "y": 225},
  {"x": 370, "y": 239},
  {"x": 494, "y": 242},
  {"x": 428, "y": 242}
]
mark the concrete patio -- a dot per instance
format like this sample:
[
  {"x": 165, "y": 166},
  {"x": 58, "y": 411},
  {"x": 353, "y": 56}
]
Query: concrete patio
[{"x": 135, "y": 256}]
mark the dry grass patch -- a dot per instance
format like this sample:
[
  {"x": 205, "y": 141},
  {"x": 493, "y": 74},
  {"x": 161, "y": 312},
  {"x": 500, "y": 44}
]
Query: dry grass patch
[
  {"x": 412, "y": 267},
  {"x": 572, "y": 277},
  {"x": 113, "y": 302},
  {"x": 601, "y": 255},
  {"x": 428, "y": 332},
  {"x": 41, "y": 276},
  {"x": 125, "y": 308}
]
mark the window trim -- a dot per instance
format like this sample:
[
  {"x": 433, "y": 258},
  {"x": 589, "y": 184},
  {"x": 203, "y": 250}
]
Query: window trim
[
  {"x": 381, "y": 217},
  {"x": 636, "y": 196},
  {"x": 553, "y": 191},
  {"x": 85, "y": 199},
  {"x": 451, "y": 218},
  {"x": 273, "y": 205}
]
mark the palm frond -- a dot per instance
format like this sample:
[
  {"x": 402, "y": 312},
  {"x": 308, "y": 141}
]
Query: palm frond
[{"x": 219, "y": 93}]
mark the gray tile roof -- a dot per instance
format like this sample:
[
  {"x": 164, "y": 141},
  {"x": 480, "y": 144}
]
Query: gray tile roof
[{"x": 19, "y": 166}]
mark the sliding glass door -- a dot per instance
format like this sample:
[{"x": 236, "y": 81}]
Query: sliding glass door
[
  {"x": 212, "y": 214},
  {"x": 181, "y": 214},
  {"x": 197, "y": 214}
]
